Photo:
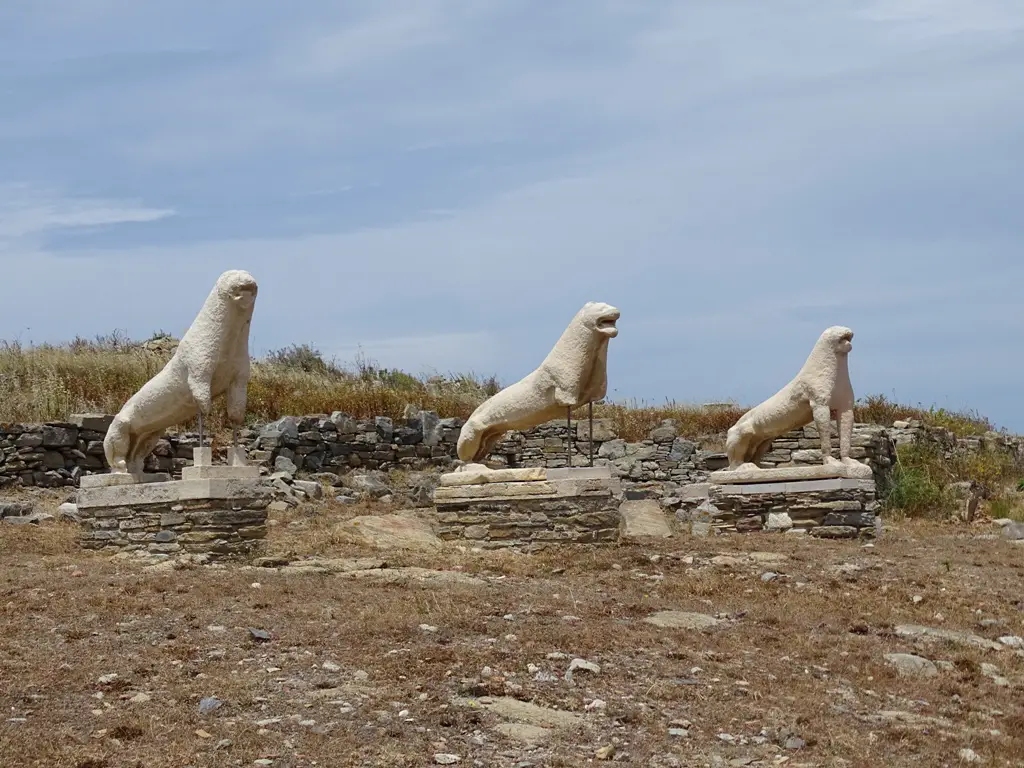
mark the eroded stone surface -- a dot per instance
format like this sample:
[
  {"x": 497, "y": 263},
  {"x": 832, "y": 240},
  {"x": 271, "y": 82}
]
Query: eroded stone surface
[
  {"x": 523, "y": 712},
  {"x": 575, "y": 372},
  {"x": 397, "y": 531},
  {"x": 911, "y": 665},
  {"x": 951, "y": 635},
  {"x": 643, "y": 517},
  {"x": 211, "y": 360},
  {"x": 820, "y": 388}
]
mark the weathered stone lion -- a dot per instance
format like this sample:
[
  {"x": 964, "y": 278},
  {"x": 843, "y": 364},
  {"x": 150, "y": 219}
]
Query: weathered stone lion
[
  {"x": 821, "y": 388},
  {"x": 575, "y": 372},
  {"x": 211, "y": 360}
]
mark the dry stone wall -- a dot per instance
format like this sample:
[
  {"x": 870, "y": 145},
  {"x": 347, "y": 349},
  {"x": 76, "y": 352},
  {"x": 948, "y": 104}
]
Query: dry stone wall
[{"x": 57, "y": 454}]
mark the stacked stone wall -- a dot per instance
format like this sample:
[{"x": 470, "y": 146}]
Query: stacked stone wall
[{"x": 58, "y": 454}]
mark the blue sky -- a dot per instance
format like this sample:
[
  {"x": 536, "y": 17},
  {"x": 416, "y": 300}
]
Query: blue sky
[{"x": 443, "y": 183}]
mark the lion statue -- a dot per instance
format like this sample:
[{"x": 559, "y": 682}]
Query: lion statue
[
  {"x": 211, "y": 360},
  {"x": 574, "y": 372},
  {"x": 821, "y": 388}
]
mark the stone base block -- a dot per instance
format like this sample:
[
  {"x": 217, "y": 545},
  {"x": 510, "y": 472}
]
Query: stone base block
[
  {"x": 749, "y": 473},
  {"x": 508, "y": 508},
  {"x": 215, "y": 517},
  {"x": 122, "y": 478},
  {"x": 220, "y": 472},
  {"x": 826, "y": 508}
]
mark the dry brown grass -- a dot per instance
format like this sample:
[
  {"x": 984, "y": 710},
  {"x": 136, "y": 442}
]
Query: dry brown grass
[
  {"x": 49, "y": 382},
  {"x": 803, "y": 652}
]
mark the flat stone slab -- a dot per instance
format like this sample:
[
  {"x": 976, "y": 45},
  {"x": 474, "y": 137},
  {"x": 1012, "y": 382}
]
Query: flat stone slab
[
  {"x": 524, "y": 732},
  {"x": 396, "y": 531},
  {"x": 220, "y": 472},
  {"x": 643, "y": 517},
  {"x": 950, "y": 635},
  {"x": 551, "y": 488},
  {"x": 910, "y": 665},
  {"x": 580, "y": 473},
  {"x": 476, "y": 476},
  {"x": 173, "y": 490},
  {"x": 786, "y": 474},
  {"x": 682, "y": 620},
  {"x": 424, "y": 577},
  {"x": 523, "y": 711},
  {"x": 121, "y": 478}
]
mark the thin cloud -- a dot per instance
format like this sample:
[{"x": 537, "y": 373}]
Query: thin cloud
[{"x": 25, "y": 211}]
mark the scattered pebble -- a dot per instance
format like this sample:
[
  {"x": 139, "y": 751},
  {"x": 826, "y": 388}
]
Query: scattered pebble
[
  {"x": 605, "y": 752},
  {"x": 209, "y": 704},
  {"x": 442, "y": 758},
  {"x": 330, "y": 666},
  {"x": 259, "y": 635}
]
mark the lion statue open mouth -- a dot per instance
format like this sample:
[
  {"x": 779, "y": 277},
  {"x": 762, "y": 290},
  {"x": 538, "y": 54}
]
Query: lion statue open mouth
[{"x": 575, "y": 372}]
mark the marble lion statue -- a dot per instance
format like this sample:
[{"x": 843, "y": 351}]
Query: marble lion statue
[
  {"x": 821, "y": 388},
  {"x": 211, "y": 360},
  {"x": 575, "y": 372}
]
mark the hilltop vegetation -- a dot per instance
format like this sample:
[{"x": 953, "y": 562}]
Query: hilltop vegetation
[{"x": 47, "y": 382}]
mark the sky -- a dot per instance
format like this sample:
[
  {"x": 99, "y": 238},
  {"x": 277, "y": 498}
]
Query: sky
[{"x": 439, "y": 185}]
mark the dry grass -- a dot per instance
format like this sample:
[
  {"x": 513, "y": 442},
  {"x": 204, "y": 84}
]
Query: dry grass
[
  {"x": 801, "y": 654},
  {"x": 49, "y": 382}
]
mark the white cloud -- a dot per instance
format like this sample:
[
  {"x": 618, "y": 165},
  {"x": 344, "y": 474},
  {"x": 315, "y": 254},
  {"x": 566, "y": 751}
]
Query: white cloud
[{"x": 28, "y": 211}]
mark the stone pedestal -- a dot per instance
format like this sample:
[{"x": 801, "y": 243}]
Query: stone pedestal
[
  {"x": 783, "y": 500},
  {"x": 514, "y": 507},
  {"x": 219, "y": 511}
]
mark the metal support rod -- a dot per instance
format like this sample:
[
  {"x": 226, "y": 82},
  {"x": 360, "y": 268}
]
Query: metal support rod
[
  {"x": 590, "y": 418},
  {"x": 568, "y": 435},
  {"x": 200, "y": 429}
]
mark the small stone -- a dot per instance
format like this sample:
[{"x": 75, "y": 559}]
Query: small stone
[
  {"x": 209, "y": 704},
  {"x": 108, "y": 678},
  {"x": 442, "y": 758},
  {"x": 1012, "y": 641},
  {"x": 224, "y": 744},
  {"x": 259, "y": 635},
  {"x": 330, "y": 666},
  {"x": 917, "y": 599},
  {"x": 263, "y": 761},
  {"x": 428, "y": 628},
  {"x": 605, "y": 753},
  {"x": 968, "y": 755},
  {"x": 769, "y": 576},
  {"x": 583, "y": 664},
  {"x": 360, "y": 674},
  {"x": 596, "y": 704},
  {"x": 910, "y": 665},
  {"x": 679, "y": 733},
  {"x": 140, "y": 698},
  {"x": 794, "y": 742},
  {"x": 204, "y": 734},
  {"x": 778, "y": 521}
]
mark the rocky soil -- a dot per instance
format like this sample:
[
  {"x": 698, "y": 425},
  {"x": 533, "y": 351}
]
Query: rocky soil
[{"x": 359, "y": 639}]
